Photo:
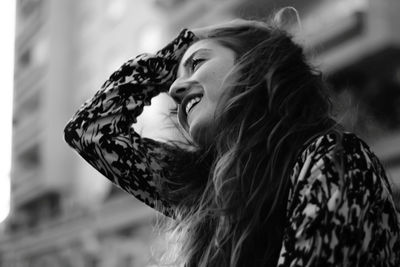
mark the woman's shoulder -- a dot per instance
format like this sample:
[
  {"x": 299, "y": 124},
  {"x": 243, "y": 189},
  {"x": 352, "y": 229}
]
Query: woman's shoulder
[
  {"x": 336, "y": 153},
  {"x": 338, "y": 183},
  {"x": 340, "y": 160},
  {"x": 336, "y": 143}
]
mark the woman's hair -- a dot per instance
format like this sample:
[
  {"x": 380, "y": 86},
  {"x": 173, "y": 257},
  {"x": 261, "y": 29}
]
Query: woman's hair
[{"x": 230, "y": 197}]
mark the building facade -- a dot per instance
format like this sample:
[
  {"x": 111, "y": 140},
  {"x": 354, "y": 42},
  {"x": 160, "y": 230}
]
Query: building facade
[{"x": 63, "y": 213}]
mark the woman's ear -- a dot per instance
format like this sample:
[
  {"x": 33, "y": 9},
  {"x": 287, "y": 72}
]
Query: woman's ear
[{"x": 288, "y": 19}]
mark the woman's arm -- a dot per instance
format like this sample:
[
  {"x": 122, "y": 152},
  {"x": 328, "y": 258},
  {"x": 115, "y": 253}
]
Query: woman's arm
[
  {"x": 341, "y": 214},
  {"x": 101, "y": 131}
]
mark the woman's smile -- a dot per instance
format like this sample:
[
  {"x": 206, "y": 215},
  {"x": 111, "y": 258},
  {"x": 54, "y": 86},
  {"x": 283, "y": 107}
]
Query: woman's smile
[
  {"x": 200, "y": 85},
  {"x": 190, "y": 109},
  {"x": 193, "y": 102}
]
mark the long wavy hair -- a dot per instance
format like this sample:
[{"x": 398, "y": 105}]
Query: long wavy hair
[{"x": 229, "y": 198}]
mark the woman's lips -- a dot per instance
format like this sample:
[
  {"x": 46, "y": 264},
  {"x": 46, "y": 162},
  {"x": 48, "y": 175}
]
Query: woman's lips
[
  {"x": 190, "y": 104},
  {"x": 191, "y": 111},
  {"x": 183, "y": 116}
]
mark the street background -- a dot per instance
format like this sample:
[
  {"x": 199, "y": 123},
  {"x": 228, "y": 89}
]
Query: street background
[{"x": 62, "y": 213}]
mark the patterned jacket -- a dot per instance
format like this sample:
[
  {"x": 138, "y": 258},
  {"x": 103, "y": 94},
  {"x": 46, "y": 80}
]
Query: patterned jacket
[{"x": 332, "y": 221}]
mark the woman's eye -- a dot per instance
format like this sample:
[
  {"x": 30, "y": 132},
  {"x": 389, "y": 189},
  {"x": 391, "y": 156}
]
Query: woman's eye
[{"x": 196, "y": 62}]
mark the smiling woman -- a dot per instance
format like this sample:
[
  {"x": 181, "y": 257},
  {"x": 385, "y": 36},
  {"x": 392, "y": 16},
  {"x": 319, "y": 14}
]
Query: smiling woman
[
  {"x": 199, "y": 86},
  {"x": 268, "y": 177}
]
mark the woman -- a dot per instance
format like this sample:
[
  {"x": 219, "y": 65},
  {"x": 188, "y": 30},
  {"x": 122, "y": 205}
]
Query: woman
[{"x": 268, "y": 179}]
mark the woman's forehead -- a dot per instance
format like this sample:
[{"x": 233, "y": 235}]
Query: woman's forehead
[{"x": 202, "y": 44}]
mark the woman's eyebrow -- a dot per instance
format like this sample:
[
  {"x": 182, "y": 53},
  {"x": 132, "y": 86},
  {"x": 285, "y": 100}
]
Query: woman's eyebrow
[{"x": 190, "y": 58}]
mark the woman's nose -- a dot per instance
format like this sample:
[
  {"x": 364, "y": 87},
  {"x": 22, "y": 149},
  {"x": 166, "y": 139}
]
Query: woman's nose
[{"x": 178, "y": 90}]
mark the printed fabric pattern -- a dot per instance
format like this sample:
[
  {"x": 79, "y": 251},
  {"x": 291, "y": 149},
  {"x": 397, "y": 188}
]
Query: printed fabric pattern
[{"x": 338, "y": 215}]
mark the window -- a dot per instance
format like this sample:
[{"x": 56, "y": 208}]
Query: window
[
  {"x": 30, "y": 105},
  {"x": 28, "y": 108},
  {"x": 34, "y": 55},
  {"x": 30, "y": 158},
  {"x": 28, "y": 7},
  {"x": 25, "y": 59}
]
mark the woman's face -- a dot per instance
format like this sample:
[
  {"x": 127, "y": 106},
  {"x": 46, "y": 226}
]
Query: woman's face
[{"x": 199, "y": 86}]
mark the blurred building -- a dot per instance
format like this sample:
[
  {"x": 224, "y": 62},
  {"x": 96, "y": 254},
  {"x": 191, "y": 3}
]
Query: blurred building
[
  {"x": 357, "y": 44},
  {"x": 63, "y": 212}
]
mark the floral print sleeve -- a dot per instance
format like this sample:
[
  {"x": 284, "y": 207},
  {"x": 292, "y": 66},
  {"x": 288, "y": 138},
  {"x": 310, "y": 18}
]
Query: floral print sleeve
[
  {"x": 340, "y": 214},
  {"x": 101, "y": 131}
]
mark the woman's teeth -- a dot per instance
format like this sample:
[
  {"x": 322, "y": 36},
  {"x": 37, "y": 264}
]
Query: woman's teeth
[{"x": 191, "y": 103}]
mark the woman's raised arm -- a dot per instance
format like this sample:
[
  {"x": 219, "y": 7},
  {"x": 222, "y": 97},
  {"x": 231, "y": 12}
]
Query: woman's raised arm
[{"x": 101, "y": 132}]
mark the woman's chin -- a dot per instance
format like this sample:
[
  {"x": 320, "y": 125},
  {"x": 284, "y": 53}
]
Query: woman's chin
[{"x": 200, "y": 135}]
